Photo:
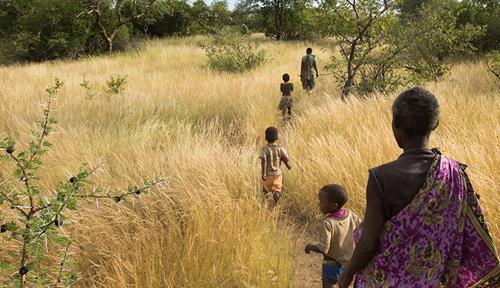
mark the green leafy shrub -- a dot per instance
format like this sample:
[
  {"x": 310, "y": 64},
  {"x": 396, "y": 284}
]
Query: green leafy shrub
[
  {"x": 33, "y": 222},
  {"x": 244, "y": 30},
  {"x": 230, "y": 51},
  {"x": 116, "y": 84},
  {"x": 45, "y": 30},
  {"x": 90, "y": 91}
]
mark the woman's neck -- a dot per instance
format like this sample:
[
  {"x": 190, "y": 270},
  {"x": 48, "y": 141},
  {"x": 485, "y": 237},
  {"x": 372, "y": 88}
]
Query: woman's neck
[{"x": 416, "y": 143}]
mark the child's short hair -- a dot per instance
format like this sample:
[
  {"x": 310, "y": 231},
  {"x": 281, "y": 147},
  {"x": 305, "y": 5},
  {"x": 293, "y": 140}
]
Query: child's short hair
[
  {"x": 336, "y": 194},
  {"x": 309, "y": 50},
  {"x": 286, "y": 77},
  {"x": 416, "y": 111},
  {"x": 271, "y": 134}
]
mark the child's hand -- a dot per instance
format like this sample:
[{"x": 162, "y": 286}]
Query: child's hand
[
  {"x": 308, "y": 248},
  {"x": 263, "y": 177},
  {"x": 345, "y": 280}
]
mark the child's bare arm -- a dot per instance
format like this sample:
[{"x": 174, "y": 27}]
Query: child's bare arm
[
  {"x": 263, "y": 168},
  {"x": 325, "y": 237},
  {"x": 315, "y": 68},
  {"x": 285, "y": 159},
  {"x": 287, "y": 164},
  {"x": 313, "y": 247}
]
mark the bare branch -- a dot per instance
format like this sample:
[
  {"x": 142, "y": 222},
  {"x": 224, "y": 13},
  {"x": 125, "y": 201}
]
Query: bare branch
[{"x": 355, "y": 10}]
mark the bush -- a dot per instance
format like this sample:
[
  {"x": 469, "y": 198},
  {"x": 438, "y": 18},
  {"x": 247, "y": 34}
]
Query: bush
[
  {"x": 230, "y": 51},
  {"x": 116, "y": 84},
  {"x": 485, "y": 14},
  {"x": 34, "y": 30},
  {"x": 168, "y": 18},
  {"x": 46, "y": 30}
]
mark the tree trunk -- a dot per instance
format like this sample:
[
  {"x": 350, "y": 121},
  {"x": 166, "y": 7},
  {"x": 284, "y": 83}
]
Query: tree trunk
[
  {"x": 276, "y": 20},
  {"x": 350, "y": 76},
  {"x": 109, "y": 41},
  {"x": 346, "y": 90},
  {"x": 110, "y": 46}
]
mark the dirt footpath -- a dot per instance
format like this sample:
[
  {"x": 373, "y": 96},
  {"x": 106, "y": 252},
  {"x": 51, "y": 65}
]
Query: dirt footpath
[{"x": 307, "y": 266}]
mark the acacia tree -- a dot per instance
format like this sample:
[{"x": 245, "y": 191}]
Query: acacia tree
[
  {"x": 111, "y": 16},
  {"x": 379, "y": 52},
  {"x": 361, "y": 27}
]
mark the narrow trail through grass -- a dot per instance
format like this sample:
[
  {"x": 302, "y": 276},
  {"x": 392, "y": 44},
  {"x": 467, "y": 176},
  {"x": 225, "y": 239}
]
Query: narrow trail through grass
[{"x": 307, "y": 267}]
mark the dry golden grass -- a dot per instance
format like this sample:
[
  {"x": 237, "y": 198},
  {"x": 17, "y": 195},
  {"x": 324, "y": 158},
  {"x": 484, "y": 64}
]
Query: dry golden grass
[{"x": 209, "y": 227}]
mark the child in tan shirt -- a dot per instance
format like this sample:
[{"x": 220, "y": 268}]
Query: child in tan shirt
[
  {"x": 271, "y": 157},
  {"x": 336, "y": 235}
]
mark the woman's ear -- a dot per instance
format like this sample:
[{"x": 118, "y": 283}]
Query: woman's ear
[{"x": 436, "y": 126}]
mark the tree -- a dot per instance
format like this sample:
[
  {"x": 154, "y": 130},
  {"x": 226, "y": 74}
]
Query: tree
[
  {"x": 200, "y": 17},
  {"x": 379, "y": 52},
  {"x": 171, "y": 18},
  {"x": 485, "y": 13},
  {"x": 278, "y": 7},
  {"x": 219, "y": 15},
  {"x": 243, "y": 13},
  {"x": 111, "y": 16},
  {"x": 9, "y": 14},
  {"x": 409, "y": 8},
  {"x": 300, "y": 21},
  {"x": 362, "y": 27},
  {"x": 43, "y": 30},
  {"x": 287, "y": 19}
]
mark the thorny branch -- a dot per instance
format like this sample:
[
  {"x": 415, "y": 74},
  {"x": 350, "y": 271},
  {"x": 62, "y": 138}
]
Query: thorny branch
[
  {"x": 119, "y": 196},
  {"x": 61, "y": 265},
  {"x": 13, "y": 203}
]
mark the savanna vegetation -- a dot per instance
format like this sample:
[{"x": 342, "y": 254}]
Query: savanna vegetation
[
  {"x": 34, "y": 30},
  {"x": 202, "y": 129},
  {"x": 95, "y": 113}
]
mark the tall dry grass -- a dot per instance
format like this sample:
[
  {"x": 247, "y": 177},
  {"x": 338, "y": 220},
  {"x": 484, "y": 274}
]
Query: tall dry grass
[{"x": 209, "y": 227}]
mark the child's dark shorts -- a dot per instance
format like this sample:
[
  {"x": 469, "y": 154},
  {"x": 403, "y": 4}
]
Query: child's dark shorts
[{"x": 332, "y": 271}]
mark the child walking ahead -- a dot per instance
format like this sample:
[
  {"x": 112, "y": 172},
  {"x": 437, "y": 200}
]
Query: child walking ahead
[
  {"x": 286, "y": 89},
  {"x": 336, "y": 235},
  {"x": 271, "y": 157}
]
